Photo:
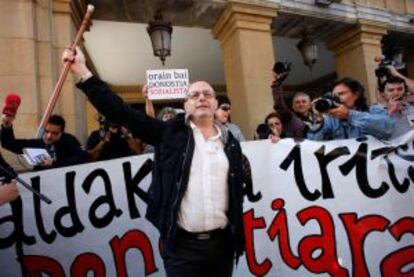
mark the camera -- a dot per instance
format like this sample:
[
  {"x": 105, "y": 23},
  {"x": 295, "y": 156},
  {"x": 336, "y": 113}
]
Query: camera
[
  {"x": 263, "y": 131},
  {"x": 326, "y": 102},
  {"x": 384, "y": 72},
  {"x": 103, "y": 126},
  {"x": 106, "y": 126},
  {"x": 282, "y": 69}
]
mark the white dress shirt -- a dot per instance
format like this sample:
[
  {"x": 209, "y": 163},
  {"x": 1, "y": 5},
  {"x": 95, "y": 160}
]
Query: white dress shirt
[{"x": 205, "y": 202}]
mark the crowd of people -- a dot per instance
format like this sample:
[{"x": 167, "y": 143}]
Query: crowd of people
[
  {"x": 197, "y": 149},
  {"x": 349, "y": 117},
  {"x": 343, "y": 112}
]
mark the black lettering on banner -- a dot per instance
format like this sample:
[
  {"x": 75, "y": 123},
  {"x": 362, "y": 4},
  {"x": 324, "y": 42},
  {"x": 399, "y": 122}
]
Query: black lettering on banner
[
  {"x": 408, "y": 158},
  {"x": 359, "y": 162},
  {"x": 46, "y": 237},
  {"x": 16, "y": 218},
  {"x": 381, "y": 151},
  {"x": 386, "y": 151},
  {"x": 248, "y": 182},
  {"x": 69, "y": 210},
  {"x": 295, "y": 157},
  {"x": 411, "y": 173},
  {"x": 400, "y": 187},
  {"x": 132, "y": 185},
  {"x": 324, "y": 160},
  {"x": 108, "y": 199}
]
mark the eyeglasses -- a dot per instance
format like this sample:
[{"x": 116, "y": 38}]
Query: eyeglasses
[
  {"x": 194, "y": 95},
  {"x": 225, "y": 108}
]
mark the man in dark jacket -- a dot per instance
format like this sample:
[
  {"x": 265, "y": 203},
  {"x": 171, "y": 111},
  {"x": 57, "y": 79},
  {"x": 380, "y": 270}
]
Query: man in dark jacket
[
  {"x": 64, "y": 149},
  {"x": 196, "y": 195}
]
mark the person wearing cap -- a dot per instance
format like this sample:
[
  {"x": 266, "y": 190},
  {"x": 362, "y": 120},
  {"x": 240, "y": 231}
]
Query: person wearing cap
[
  {"x": 222, "y": 114},
  {"x": 195, "y": 199}
]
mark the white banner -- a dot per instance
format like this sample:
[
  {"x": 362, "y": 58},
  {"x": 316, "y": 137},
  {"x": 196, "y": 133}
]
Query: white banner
[
  {"x": 342, "y": 208},
  {"x": 167, "y": 83}
]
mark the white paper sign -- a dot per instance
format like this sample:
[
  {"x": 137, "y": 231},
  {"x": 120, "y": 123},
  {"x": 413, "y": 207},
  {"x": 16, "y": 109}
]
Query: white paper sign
[{"x": 167, "y": 84}]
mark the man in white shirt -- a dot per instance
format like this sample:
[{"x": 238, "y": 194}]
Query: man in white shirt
[{"x": 196, "y": 196}]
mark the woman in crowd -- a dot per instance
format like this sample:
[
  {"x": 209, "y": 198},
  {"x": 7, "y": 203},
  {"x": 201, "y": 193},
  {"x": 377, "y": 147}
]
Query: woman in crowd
[
  {"x": 222, "y": 115},
  {"x": 351, "y": 117},
  {"x": 275, "y": 125}
]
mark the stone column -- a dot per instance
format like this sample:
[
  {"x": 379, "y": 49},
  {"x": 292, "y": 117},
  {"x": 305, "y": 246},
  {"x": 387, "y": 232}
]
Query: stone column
[
  {"x": 355, "y": 51},
  {"x": 33, "y": 35},
  {"x": 19, "y": 58},
  {"x": 246, "y": 42}
]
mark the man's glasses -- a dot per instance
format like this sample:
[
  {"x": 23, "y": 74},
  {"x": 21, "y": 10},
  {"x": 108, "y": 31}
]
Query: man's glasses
[{"x": 194, "y": 95}]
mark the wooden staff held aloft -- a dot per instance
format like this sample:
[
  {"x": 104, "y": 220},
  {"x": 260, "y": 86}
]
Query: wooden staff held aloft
[{"x": 86, "y": 22}]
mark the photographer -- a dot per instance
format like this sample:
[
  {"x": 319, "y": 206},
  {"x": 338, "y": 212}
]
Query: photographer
[
  {"x": 394, "y": 93},
  {"x": 112, "y": 141},
  {"x": 64, "y": 149},
  {"x": 295, "y": 123},
  {"x": 350, "y": 116}
]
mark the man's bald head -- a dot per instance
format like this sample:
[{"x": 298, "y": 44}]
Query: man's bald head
[{"x": 201, "y": 101}]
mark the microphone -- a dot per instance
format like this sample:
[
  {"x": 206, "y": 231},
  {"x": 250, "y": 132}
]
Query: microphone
[{"x": 11, "y": 104}]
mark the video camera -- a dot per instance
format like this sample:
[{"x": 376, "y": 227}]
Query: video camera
[
  {"x": 282, "y": 69},
  {"x": 383, "y": 73},
  {"x": 104, "y": 126},
  {"x": 327, "y": 102}
]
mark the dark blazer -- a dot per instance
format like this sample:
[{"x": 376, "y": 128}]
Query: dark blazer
[{"x": 174, "y": 147}]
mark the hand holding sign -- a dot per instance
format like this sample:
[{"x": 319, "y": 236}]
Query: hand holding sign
[{"x": 167, "y": 84}]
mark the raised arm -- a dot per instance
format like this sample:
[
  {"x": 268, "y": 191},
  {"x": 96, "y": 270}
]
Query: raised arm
[
  {"x": 111, "y": 105},
  {"x": 8, "y": 140},
  {"x": 279, "y": 103},
  {"x": 149, "y": 107},
  {"x": 376, "y": 122}
]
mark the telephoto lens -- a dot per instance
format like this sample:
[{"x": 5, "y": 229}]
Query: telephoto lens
[{"x": 326, "y": 102}]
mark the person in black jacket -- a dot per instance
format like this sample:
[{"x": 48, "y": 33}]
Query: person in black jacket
[
  {"x": 63, "y": 148},
  {"x": 196, "y": 196}
]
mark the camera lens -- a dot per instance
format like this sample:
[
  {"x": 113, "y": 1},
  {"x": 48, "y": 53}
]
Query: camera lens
[{"x": 322, "y": 105}]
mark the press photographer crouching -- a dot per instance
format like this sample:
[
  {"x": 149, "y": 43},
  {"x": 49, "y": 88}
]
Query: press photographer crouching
[
  {"x": 112, "y": 141},
  {"x": 349, "y": 116}
]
